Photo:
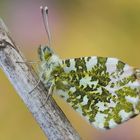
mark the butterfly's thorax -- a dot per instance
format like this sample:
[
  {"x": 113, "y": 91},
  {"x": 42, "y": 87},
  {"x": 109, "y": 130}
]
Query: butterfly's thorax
[
  {"x": 48, "y": 70},
  {"x": 49, "y": 65}
]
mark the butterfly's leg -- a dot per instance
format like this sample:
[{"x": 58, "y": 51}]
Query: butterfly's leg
[
  {"x": 35, "y": 86},
  {"x": 50, "y": 92},
  {"x": 28, "y": 62},
  {"x": 31, "y": 62}
]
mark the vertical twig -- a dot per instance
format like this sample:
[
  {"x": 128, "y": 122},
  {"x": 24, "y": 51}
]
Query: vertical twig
[{"x": 48, "y": 115}]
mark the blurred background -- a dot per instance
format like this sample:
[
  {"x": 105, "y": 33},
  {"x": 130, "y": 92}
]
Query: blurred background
[{"x": 78, "y": 28}]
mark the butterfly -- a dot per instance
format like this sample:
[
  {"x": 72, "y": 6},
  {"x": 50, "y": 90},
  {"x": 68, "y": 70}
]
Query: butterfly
[{"x": 104, "y": 91}]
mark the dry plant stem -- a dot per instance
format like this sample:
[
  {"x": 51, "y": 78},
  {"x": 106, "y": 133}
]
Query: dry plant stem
[{"x": 48, "y": 115}]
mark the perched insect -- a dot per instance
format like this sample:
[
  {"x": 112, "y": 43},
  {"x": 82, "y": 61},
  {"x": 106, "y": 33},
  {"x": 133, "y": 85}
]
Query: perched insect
[{"x": 105, "y": 91}]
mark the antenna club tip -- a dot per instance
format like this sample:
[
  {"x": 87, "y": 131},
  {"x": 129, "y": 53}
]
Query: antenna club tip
[
  {"x": 46, "y": 9},
  {"x": 41, "y": 7}
]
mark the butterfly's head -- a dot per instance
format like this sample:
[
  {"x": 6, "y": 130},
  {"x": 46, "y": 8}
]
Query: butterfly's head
[
  {"x": 48, "y": 56},
  {"x": 45, "y": 53}
]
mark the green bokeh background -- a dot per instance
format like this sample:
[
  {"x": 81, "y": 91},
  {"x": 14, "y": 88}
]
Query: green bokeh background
[{"x": 79, "y": 28}]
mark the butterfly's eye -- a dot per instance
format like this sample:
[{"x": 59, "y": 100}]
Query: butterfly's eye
[{"x": 45, "y": 53}]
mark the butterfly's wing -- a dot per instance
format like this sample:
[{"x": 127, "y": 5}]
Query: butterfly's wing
[{"x": 104, "y": 91}]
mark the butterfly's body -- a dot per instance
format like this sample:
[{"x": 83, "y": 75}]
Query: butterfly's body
[{"x": 104, "y": 91}]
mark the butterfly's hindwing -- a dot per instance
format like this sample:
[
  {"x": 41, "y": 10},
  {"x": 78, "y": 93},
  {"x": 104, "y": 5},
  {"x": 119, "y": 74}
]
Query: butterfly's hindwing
[{"x": 103, "y": 90}]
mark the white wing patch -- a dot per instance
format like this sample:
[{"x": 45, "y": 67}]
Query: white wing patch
[
  {"x": 111, "y": 65},
  {"x": 124, "y": 115},
  {"x": 85, "y": 100},
  {"x": 91, "y": 62},
  {"x": 133, "y": 100},
  {"x": 86, "y": 81},
  {"x": 71, "y": 67},
  {"x": 128, "y": 71},
  {"x": 101, "y": 106},
  {"x": 100, "y": 120},
  {"x": 112, "y": 123}
]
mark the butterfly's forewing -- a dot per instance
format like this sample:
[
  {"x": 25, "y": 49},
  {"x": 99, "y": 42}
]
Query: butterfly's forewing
[{"x": 104, "y": 91}]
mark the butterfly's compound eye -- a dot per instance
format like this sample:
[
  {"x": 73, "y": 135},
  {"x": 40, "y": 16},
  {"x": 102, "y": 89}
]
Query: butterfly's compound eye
[{"x": 45, "y": 53}]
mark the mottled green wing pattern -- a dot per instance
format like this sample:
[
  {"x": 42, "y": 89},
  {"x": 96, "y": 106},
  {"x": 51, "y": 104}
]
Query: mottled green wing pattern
[{"x": 104, "y": 91}]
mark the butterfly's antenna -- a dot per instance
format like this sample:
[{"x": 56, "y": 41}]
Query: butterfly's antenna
[{"x": 44, "y": 12}]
